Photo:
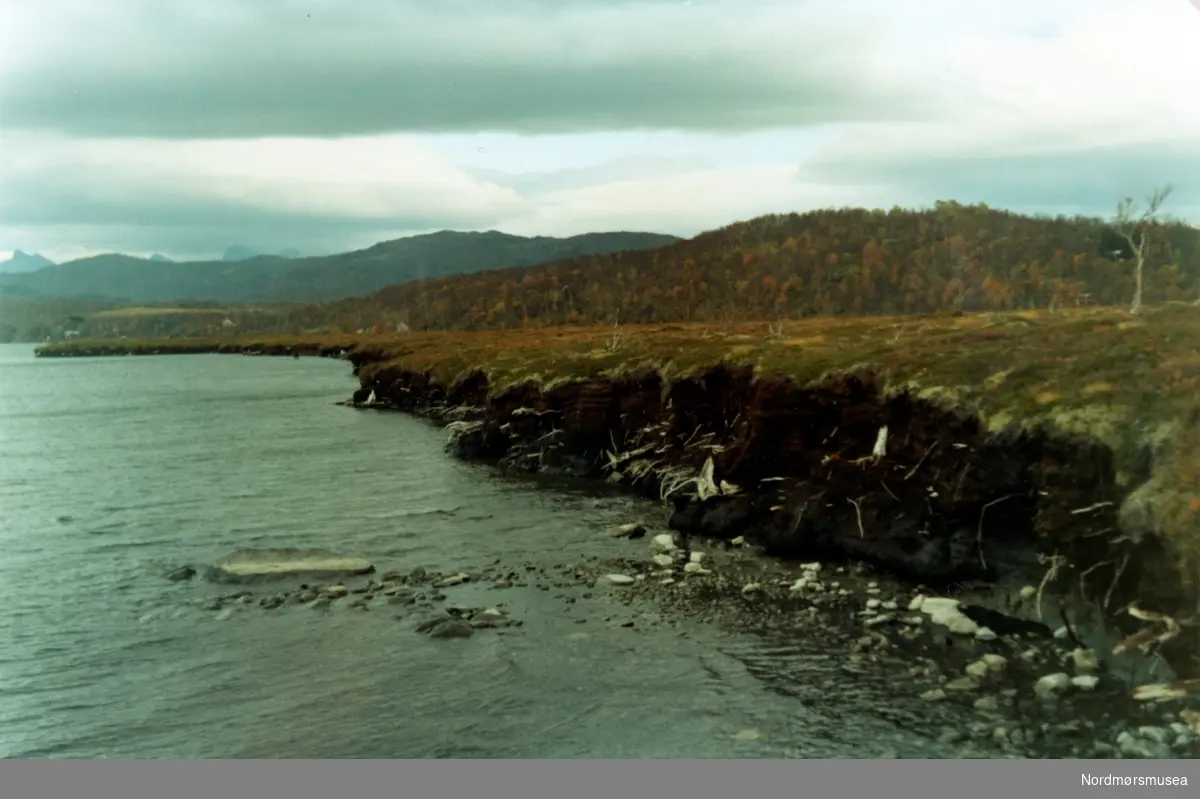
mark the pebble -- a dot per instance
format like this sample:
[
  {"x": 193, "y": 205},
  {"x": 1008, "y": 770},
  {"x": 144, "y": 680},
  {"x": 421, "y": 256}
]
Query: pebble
[
  {"x": 663, "y": 560},
  {"x": 452, "y": 580},
  {"x": 1085, "y": 660},
  {"x": 1085, "y": 682},
  {"x": 1051, "y": 685},
  {"x": 987, "y": 703},
  {"x": 934, "y": 695},
  {"x": 619, "y": 579},
  {"x": 664, "y": 542},
  {"x": 962, "y": 685}
]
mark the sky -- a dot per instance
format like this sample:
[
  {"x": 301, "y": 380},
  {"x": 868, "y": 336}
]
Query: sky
[{"x": 183, "y": 128}]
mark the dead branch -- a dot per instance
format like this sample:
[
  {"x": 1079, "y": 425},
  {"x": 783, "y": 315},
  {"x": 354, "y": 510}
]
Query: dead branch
[
  {"x": 858, "y": 513},
  {"x": 1056, "y": 562},
  {"x": 1116, "y": 576},
  {"x": 979, "y": 528},
  {"x": 924, "y": 455}
]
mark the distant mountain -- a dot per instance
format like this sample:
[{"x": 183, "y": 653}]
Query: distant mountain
[
  {"x": 290, "y": 252},
  {"x": 160, "y": 258},
  {"x": 24, "y": 262},
  {"x": 238, "y": 253},
  {"x": 242, "y": 278}
]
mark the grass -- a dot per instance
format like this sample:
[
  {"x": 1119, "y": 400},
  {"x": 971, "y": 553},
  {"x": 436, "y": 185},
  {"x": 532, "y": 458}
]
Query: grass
[
  {"x": 1131, "y": 383},
  {"x": 142, "y": 311}
]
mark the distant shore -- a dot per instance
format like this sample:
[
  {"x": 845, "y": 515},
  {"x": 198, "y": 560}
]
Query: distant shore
[{"x": 993, "y": 449}]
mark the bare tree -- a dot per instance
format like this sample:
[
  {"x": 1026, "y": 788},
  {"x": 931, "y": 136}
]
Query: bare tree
[{"x": 1131, "y": 225}]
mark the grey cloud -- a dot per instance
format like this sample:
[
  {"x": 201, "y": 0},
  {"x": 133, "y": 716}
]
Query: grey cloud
[
  {"x": 621, "y": 169},
  {"x": 281, "y": 68},
  {"x": 1086, "y": 180}
]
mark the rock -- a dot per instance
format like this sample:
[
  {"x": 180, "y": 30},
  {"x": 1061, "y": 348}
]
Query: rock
[
  {"x": 962, "y": 685},
  {"x": 1131, "y": 745},
  {"x": 619, "y": 579},
  {"x": 452, "y": 628},
  {"x": 695, "y": 568},
  {"x": 417, "y": 575},
  {"x": 1156, "y": 734},
  {"x": 490, "y": 615},
  {"x": 946, "y": 612},
  {"x": 663, "y": 560},
  {"x": 1086, "y": 661},
  {"x": 433, "y": 621},
  {"x": 631, "y": 530},
  {"x": 872, "y": 604},
  {"x": 227, "y": 613},
  {"x": 664, "y": 542},
  {"x": 1051, "y": 685},
  {"x": 985, "y": 634},
  {"x": 320, "y": 603},
  {"x": 987, "y": 703},
  {"x": 979, "y": 670},
  {"x": 875, "y": 621},
  {"x": 750, "y": 588},
  {"x": 747, "y": 735},
  {"x": 695, "y": 557},
  {"x": 934, "y": 695},
  {"x": 1085, "y": 682},
  {"x": 334, "y": 591},
  {"x": 739, "y": 541},
  {"x": 182, "y": 573},
  {"x": 261, "y": 564},
  {"x": 996, "y": 663},
  {"x": 452, "y": 580},
  {"x": 1028, "y": 592}
]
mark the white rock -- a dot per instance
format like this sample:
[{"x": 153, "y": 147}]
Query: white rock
[
  {"x": 696, "y": 557},
  {"x": 872, "y": 604},
  {"x": 811, "y": 567},
  {"x": 1028, "y": 592},
  {"x": 664, "y": 542},
  {"x": 739, "y": 541},
  {"x": 619, "y": 579},
  {"x": 1086, "y": 661},
  {"x": 996, "y": 663},
  {"x": 225, "y": 614},
  {"x": 945, "y": 611},
  {"x": 977, "y": 669},
  {"x": 934, "y": 695},
  {"x": 695, "y": 568},
  {"x": 987, "y": 703},
  {"x": 1051, "y": 684},
  {"x": 916, "y": 602},
  {"x": 962, "y": 685},
  {"x": 1061, "y": 633},
  {"x": 1085, "y": 682},
  {"x": 985, "y": 634},
  {"x": 663, "y": 560},
  {"x": 750, "y": 588},
  {"x": 667, "y": 581},
  {"x": 889, "y": 605},
  {"x": 249, "y": 564}
]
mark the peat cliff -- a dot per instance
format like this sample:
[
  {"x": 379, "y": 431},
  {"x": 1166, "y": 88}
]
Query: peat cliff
[{"x": 855, "y": 464}]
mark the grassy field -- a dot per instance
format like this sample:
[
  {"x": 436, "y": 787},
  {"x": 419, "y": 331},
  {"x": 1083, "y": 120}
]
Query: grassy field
[{"x": 118, "y": 313}]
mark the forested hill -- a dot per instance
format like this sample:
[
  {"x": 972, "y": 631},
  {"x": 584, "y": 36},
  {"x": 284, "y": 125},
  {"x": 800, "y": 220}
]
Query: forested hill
[
  {"x": 848, "y": 261},
  {"x": 270, "y": 278}
]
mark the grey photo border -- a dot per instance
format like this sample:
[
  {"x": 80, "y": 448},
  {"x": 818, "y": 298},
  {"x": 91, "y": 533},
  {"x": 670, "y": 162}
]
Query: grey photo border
[{"x": 582, "y": 779}]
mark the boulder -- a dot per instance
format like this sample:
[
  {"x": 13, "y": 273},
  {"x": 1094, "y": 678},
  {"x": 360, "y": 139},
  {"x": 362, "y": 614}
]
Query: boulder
[{"x": 250, "y": 565}]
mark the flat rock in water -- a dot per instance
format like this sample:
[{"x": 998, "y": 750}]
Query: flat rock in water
[{"x": 260, "y": 564}]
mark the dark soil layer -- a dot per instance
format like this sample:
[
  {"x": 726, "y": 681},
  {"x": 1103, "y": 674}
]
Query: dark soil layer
[{"x": 793, "y": 472}]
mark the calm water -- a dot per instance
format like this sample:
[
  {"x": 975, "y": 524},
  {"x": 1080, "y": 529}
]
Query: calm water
[{"x": 113, "y": 470}]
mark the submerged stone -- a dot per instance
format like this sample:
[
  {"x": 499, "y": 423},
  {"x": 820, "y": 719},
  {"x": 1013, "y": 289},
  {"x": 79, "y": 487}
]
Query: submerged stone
[{"x": 259, "y": 564}]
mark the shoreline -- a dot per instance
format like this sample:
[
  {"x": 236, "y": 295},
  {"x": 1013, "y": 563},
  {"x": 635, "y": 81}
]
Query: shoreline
[{"x": 842, "y": 468}]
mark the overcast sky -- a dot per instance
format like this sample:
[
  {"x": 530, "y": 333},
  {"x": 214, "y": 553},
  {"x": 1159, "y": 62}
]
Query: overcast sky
[{"x": 186, "y": 127}]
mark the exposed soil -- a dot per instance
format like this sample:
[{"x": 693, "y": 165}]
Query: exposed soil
[{"x": 797, "y": 471}]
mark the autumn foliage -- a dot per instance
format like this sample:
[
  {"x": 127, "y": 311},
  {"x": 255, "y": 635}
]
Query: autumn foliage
[{"x": 822, "y": 263}]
